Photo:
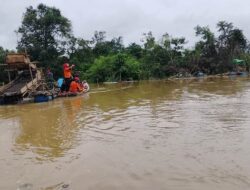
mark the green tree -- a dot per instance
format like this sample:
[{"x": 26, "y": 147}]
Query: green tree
[
  {"x": 153, "y": 57},
  {"x": 224, "y": 28},
  {"x": 174, "y": 47},
  {"x": 237, "y": 42},
  {"x": 207, "y": 43},
  {"x": 135, "y": 50},
  {"x": 82, "y": 56},
  {"x": 208, "y": 59},
  {"x": 3, "y": 75},
  {"x": 231, "y": 44},
  {"x": 149, "y": 41},
  {"x": 44, "y": 33},
  {"x": 2, "y": 55},
  {"x": 103, "y": 47},
  {"x": 114, "y": 68}
]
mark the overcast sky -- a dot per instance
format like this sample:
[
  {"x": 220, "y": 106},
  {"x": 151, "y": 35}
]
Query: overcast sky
[{"x": 131, "y": 18}]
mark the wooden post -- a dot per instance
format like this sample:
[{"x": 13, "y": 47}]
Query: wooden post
[
  {"x": 9, "y": 76},
  {"x": 31, "y": 74}
]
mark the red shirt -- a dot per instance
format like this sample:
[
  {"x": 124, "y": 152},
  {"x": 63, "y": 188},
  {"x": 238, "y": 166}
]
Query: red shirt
[{"x": 67, "y": 72}]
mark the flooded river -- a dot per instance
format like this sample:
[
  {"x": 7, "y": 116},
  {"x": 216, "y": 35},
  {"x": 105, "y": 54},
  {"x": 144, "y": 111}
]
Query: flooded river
[{"x": 163, "y": 135}]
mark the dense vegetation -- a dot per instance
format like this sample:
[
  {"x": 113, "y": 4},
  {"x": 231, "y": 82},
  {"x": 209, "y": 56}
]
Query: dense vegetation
[{"x": 47, "y": 37}]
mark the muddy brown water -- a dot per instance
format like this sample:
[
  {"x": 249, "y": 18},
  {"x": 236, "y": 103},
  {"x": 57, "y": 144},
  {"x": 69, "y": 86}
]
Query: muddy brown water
[{"x": 176, "y": 135}]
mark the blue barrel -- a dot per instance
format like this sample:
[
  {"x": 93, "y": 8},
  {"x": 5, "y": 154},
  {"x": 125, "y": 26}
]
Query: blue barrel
[{"x": 41, "y": 98}]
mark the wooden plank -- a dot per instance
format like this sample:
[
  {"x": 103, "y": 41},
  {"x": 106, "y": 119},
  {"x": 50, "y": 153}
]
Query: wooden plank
[
  {"x": 3, "y": 88},
  {"x": 31, "y": 83},
  {"x": 34, "y": 62},
  {"x": 33, "y": 66},
  {"x": 10, "y": 70}
]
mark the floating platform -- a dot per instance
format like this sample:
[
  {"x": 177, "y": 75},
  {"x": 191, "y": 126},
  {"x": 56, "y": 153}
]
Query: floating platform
[{"x": 26, "y": 78}]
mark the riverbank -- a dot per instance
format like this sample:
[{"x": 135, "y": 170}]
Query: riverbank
[{"x": 175, "y": 77}]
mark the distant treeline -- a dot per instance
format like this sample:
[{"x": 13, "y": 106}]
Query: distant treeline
[{"x": 46, "y": 35}]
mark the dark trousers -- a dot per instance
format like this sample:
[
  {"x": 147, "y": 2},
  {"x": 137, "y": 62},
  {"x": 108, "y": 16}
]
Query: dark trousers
[{"x": 66, "y": 84}]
